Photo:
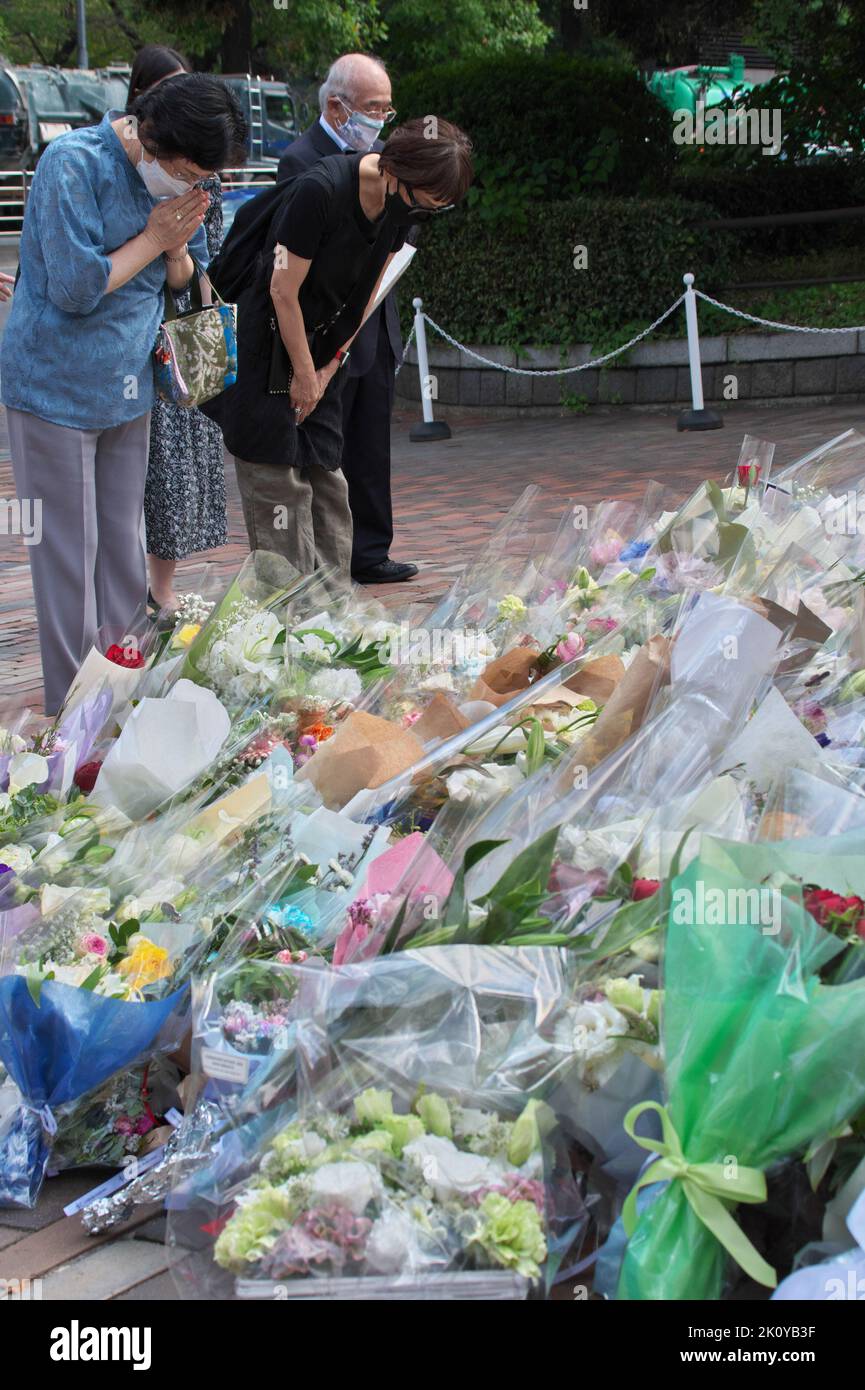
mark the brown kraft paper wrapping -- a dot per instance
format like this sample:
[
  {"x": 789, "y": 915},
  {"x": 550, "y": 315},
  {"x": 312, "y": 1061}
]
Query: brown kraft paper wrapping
[
  {"x": 365, "y": 752},
  {"x": 597, "y": 679},
  {"x": 626, "y": 708},
  {"x": 440, "y": 719},
  {"x": 506, "y": 676}
]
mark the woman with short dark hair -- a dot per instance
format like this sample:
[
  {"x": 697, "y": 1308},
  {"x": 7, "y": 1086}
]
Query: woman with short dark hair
[
  {"x": 184, "y": 500},
  {"x": 108, "y": 223},
  {"x": 151, "y": 64},
  {"x": 330, "y": 242}
]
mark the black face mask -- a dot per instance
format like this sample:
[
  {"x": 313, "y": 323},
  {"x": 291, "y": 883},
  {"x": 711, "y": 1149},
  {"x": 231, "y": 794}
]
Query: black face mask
[{"x": 398, "y": 211}]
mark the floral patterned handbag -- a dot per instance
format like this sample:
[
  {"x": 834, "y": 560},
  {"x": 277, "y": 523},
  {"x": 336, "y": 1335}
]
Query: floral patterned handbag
[{"x": 195, "y": 357}]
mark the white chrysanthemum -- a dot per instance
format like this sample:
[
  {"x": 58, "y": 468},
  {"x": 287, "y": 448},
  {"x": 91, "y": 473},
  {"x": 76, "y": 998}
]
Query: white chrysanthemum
[
  {"x": 310, "y": 646},
  {"x": 337, "y": 687},
  {"x": 483, "y": 784},
  {"x": 438, "y": 680}
]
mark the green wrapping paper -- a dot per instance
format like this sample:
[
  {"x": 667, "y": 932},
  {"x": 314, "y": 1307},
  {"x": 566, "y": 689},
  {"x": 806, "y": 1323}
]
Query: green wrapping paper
[{"x": 761, "y": 1059}]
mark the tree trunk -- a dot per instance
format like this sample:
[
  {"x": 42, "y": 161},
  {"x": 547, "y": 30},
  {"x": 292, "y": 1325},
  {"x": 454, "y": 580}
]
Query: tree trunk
[{"x": 236, "y": 51}]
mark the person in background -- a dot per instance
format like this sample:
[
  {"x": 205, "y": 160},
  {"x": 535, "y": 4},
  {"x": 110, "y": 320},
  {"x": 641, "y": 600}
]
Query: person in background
[
  {"x": 331, "y": 239},
  {"x": 110, "y": 215},
  {"x": 184, "y": 499},
  {"x": 355, "y": 102}
]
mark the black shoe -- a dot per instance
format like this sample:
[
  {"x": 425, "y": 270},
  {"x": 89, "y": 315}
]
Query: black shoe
[{"x": 387, "y": 572}]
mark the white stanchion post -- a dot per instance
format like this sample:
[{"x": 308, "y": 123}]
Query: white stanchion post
[
  {"x": 698, "y": 417},
  {"x": 428, "y": 428}
]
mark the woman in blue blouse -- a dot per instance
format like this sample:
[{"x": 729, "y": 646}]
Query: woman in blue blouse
[{"x": 109, "y": 219}]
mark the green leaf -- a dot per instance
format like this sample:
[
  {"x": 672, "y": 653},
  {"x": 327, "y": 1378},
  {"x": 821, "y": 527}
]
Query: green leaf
[
  {"x": 628, "y": 924},
  {"x": 534, "y": 863},
  {"x": 536, "y": 746}
]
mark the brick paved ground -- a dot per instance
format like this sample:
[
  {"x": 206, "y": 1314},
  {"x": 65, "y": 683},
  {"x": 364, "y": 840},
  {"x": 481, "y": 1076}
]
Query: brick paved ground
[{"x": 448, "y": 496}]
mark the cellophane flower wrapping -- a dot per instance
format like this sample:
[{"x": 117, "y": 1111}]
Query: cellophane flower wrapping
[
  {"x": 95, "y": 963},
  {"x": 762, "y": 1059},
  {"x": 402, "y": 1134}
]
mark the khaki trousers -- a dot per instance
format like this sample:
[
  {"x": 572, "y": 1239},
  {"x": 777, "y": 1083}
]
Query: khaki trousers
[{"x": 301, "y": 513}]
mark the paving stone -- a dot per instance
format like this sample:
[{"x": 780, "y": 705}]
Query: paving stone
[
  {"x": 547, "y": 390},
  {"x": 446, "y": 387},
  {"x": 470, "y": 387},
  {"x": 851, "y": 374},
  {"x": 656, "y": 385},
  {"x": 447, "y": 498},
  {"x": 55, "y": 1195},
  {"x": 815, "y": 377},
  {"x": 492, "y": 388},
  {"x": 161, "y": 1289},
  {"x": 106, "y": 1272},
  {"x": 518, "y": 389},
  {"x": 618, "y": 386},
  {"x": 774, "y": 347},
  {"x": 153, "y": 1230},
  {"x": 771, "y": 379}
]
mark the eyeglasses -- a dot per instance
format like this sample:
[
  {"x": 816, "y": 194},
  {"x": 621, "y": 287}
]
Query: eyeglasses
[
  {"x": 423, "y": 207},
  {"x": 380, "y": 113}
]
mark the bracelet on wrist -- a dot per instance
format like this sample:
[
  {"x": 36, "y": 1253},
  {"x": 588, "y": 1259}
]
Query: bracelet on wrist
[{"x": 177, "y": 258}]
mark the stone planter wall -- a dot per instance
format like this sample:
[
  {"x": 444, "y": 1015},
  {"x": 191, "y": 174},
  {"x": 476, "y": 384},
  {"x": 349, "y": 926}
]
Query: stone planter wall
[{"x": 767, "y": 367}]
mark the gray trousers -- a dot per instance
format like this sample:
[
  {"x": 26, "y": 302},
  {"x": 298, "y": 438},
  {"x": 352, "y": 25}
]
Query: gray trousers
[
  {"x": 301, "y": 513},
  {"x": 89, "y": 568}
]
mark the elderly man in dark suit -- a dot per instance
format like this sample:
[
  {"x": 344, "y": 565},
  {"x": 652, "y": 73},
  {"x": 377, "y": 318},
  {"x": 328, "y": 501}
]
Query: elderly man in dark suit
[{"x": 355, "y": 102}]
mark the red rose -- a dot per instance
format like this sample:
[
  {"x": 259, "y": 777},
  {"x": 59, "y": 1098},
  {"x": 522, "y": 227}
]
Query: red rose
[
  {"x": 749, "y": 473},
  {"x": 824, "y": 905},
  {"x": 644, "y": 888},
  {"x": 130, "y": 657},
  {"x": 85, "y": 776}
]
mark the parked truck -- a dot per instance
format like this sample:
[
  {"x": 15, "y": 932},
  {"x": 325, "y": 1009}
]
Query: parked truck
[{"x": 39, "y": 103}]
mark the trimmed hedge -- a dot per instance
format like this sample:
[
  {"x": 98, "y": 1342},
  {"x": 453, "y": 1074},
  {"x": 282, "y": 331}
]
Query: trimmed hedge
[
  {"x": 484, "y": 284},
  {"x": 558, "y": 123},
  {"x": 774, "y": 186}
]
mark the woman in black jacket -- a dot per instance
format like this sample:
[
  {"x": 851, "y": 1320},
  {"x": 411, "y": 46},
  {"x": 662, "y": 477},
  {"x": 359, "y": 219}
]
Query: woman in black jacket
[{"x": 331, "y": 240}]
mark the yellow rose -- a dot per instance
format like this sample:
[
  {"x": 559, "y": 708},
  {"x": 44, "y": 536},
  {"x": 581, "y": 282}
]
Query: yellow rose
[
  {"x": 145, "y": 964},
  {"x": 186, "y": 635}
]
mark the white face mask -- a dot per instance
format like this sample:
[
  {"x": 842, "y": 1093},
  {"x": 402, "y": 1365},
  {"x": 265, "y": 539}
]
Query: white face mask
[
  {"x": 360, "y": 132},
  {"x": 158, "y": 182}
]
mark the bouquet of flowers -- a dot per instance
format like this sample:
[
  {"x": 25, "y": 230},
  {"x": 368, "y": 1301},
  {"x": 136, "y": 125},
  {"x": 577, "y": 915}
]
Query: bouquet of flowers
[
  {"x": 761, "y": 1062},
  {"x": 353, "y": 1169}
]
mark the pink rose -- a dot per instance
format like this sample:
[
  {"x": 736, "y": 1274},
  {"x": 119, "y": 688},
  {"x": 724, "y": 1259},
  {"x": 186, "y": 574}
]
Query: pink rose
[
  {"x": 605, "y": 552},
  {"x": 570, "y": 647}
]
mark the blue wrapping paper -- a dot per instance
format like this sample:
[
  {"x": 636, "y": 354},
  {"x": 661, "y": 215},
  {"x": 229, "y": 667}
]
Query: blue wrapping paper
[{"x": 56, "y": 1051}]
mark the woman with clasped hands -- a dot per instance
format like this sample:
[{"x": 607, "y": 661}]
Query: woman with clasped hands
[{"x": 113, "y": 215}]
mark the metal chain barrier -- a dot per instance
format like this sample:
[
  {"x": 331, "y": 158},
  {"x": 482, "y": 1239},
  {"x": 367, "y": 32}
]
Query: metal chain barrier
[
  {"x": 408, "y": 342},
  {"x": 772, "y": 323},
  {"x": 552, "y": 371}
]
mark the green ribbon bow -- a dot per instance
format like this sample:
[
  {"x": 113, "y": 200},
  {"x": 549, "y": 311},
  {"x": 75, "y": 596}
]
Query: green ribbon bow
[{"x": 707, "y": 1186}]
